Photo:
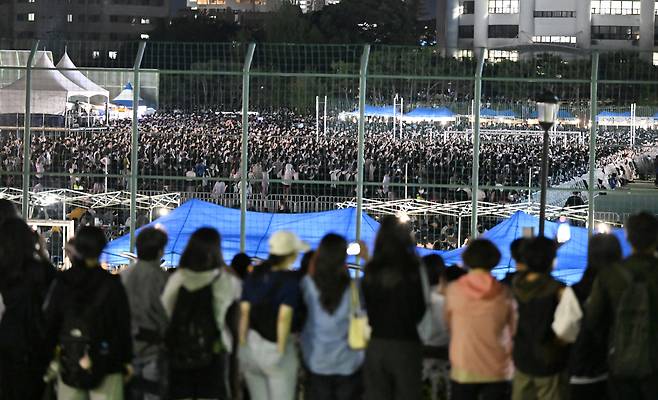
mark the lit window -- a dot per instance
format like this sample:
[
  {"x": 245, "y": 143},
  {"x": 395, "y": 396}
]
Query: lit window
[
  {"x": 112, "y": 55},
  {"x": 30, "y": 17},
  {"x": 144, "y": 36},
  {"x": 554, "y": 39},
  {"x": 655, "y": 59},
  {"x": 503, "y": 6},
  {"x": 69, "y": 18},
  {"x": 95, "y": 54},
  {"x": 145, "y": 21},
  {"x": 30, "y": 1},
  {"x": 495, "y": 56},
  {"x": 616, "y": 7},
  {"x": 464, "y": 53}
]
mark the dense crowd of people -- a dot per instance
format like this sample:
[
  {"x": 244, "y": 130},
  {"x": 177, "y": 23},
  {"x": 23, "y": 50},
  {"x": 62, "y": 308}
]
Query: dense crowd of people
[
  {"x": 283, "y": 146},
  {"x": 406, "y": 328}
]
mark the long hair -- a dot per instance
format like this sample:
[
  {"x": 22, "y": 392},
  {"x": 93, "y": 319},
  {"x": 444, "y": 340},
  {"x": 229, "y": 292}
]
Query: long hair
[
  {"x": 203, "y": 251},
  {"x": 603, "y": 251},
  {"x": 17, "y": 248},
  {"x": 330, "y": 275},
  {"x": 394, "y": 256}
]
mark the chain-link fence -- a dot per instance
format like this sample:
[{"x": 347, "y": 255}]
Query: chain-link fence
[{"x": 119, "y": 132}]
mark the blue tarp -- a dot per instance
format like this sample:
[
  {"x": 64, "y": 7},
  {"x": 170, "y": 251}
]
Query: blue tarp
[
  {"x": 611, "y": 114},
  {"x": 194, "y": 214},
  {"x": 430, "y": 113},
  {"x": 572, "y": 256},
  {"x": 378, "y": 111},
  {"x": 489, "y": 113},
  {"x": 561, "y": 114}
]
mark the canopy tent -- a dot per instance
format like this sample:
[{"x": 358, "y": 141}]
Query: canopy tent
[
  {"x": 572, "y": 256},
  {"x": 125, "y": 98},
  {"x": 441, "y": 114},
  {"x": 50, "y": 91},
  {"x": 503, "y": 114},
  {"x": 95, "y": 93},
  {"x": 194, "y": 214},
  {"x": 612, "y": 114}
]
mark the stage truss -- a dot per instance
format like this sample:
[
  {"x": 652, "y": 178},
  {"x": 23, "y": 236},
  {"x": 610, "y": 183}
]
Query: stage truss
[{"x": 73, "y": 198}]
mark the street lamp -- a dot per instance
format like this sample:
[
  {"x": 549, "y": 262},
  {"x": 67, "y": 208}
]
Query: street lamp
[{"x": 547, "y": 107}]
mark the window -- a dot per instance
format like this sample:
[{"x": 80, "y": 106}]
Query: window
[
  {"x": 464, "y": 53},
  {"x": 69, "y": 18},
  {"x": 616, "y": 7},
  {"x": 145, "y": 21},
  {"x": 503, "y": 6},
  {"x": 555, "y": 14},
  {"x": 31, "y": 1},
  {"x": 95, "y": 54},
  {"x": 468, "y": 7},
  {"x": 144, "y": 36},
  {"x": 655, "y": 59},
  {"x": 112, "y": 55},
  {"x": 495, "y": 56},
  {"x": 612, "y": 32},
  {"x": 570, "y": 40},
  {"x": 95, "y": 18},
  {"x": 466, "y": 31},
  {"x": 30, "y": 17},
  {"x": 503, "y": 31}
]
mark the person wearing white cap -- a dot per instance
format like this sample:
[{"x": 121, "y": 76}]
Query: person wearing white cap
[{"x": 270, "y": 305}]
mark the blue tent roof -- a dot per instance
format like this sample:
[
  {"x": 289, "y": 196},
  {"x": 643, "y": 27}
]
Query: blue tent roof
[
  {"x": 561, "y": 114},
  {"x": 194, "y": 214},
  {"x": 572, "y": 256},
  {"x": 429, "y": 113},
  {"x": 489, "y": 113}
]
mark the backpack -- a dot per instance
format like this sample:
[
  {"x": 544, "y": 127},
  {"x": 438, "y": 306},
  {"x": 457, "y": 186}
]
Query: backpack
[
  {"x": 193, "y": 338},
  {"x": 82, "y": 351},
  {"x": 629, "y": 353}
]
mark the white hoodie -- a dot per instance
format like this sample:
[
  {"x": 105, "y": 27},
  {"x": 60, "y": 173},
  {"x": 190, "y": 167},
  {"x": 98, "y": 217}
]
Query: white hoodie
[{"x": 226, "y": 290}]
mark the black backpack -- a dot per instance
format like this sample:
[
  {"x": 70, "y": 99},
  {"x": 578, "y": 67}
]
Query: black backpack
[
  {"x": 630, "y": 349},
  {"x": 83, "y": 350},
  {"x": 193, "y": 338}
]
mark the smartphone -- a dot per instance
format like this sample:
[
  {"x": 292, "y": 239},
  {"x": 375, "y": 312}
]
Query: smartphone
[
  {"x": 528, "y": 232},
  {"x": 353, "y": 249}
]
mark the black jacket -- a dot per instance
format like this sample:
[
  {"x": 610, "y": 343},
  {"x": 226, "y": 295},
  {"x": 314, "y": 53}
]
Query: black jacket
[{"x": 80, "y": 286}]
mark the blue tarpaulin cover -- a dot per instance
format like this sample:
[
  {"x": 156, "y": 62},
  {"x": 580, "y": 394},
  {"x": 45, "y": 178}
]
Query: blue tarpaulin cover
[
  {"x": 195, "y": 214},
  {"x": 429, "y": 113},
  {"x": 489, "y": 113},
  {"x": 572, "y": 256},
  {"x": 561, "y": 114}
]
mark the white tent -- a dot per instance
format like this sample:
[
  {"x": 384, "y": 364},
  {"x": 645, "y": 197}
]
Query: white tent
[
  {"x": 125, "y": 98},
  {"x": 95, "y": 93},
  {"x": 50, "y": 91}
]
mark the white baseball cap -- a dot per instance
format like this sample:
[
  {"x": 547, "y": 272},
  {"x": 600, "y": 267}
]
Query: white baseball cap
[{"x": 283, "y": 243}]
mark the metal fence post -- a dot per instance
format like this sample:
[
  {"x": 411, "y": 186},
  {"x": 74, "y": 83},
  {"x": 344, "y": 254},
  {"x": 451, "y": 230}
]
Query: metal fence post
[
  {"x": 134, "y": 149},
  {"x": 245, "y": 148},
  {"x": 475, "y": 177},
  {"x": 361, "y": 137},
  {"x": 25, "y": 201},
  {"x": 592, "y": 141}
]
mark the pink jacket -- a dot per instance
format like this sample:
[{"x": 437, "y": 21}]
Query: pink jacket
[{"x": 481, "y": 315}]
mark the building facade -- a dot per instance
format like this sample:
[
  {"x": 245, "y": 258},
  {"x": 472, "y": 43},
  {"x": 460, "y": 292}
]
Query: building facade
[
  {"x": 464, "y": 25},
  {"x": 113, "y": 20},
  {"x": 257, "y": 5}
]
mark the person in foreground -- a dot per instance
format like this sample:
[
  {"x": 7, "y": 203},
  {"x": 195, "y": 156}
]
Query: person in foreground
[
  {"x": 624, "y": 304},
  {"x": 540, "y": 357},
  {"x": 395, "y": 304},
  {"x": 481, "y": 315},
  {"x": 269, "y": 310},
  {"x": 88, "y": 319},
  {"x": 198, "y": 340},
  {"x": 335, "y": 369}
]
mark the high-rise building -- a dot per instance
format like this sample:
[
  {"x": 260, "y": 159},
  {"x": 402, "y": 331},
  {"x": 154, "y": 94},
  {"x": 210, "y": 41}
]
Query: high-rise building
[
  {"x": 81, "y": 19},
  {"x": 464, "y": 25}
]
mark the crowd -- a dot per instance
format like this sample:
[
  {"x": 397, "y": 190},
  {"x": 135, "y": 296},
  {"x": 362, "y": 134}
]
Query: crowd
[
  {"x": 261, "y": 331},
  {"x": 283, "y": 146}
]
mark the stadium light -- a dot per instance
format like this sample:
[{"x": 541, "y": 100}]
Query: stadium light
[{"x": 547, "y": 108}]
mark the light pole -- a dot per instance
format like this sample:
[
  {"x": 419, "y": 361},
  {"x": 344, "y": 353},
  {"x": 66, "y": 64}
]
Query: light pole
[{"x": 547, "y": 107}]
